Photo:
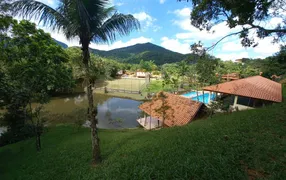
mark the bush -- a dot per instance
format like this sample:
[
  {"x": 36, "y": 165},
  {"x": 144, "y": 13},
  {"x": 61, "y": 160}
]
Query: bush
[
  {"x": 12, "y": 136},
  {"x": 156, "y": 72},
  {"x": 79, "y": 118}
]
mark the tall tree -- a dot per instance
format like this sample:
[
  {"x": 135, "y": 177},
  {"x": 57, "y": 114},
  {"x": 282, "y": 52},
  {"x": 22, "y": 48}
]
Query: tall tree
[
  {"x": 249, "y": 14},
  {"x": 205, "y": 68},
  {"x": 163, "y": 108},
  {"x": 90, "y": 21},
  {"x": 34, "y": 67}
]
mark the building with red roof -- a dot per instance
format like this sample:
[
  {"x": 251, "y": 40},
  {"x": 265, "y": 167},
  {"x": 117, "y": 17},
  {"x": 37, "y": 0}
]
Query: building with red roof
[
  {"x": 173, "y": 110},
  {"x": 255, "y": 91}
]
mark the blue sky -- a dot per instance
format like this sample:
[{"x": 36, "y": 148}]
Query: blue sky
[{"x": 167, "y": 23}]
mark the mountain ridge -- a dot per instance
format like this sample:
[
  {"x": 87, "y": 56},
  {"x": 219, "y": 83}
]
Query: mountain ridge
[
  {"x": 145, "y": 51},
  {"x": 135, "y": 53}
]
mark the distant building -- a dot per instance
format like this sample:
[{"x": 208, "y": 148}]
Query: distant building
[
  {"x": 141, "y": 74},
  {"x": 230, "y": 77},
  {"x": 120, "y": 73},
  {"x": 276, "y": 78},
  {"x": 240, "y": 61}
]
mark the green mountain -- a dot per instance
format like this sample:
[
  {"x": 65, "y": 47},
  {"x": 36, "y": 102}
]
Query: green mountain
[
  {"x": 133, "y": 54},
  {"x": 147, "y": 51},
  {"x": 63, "y": 45}
]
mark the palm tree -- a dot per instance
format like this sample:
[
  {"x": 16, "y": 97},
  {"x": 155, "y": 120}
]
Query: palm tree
[{"x": 90, "y": 21}]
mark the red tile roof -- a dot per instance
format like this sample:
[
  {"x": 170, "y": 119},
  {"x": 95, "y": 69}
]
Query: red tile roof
[
  {"x": 180, "y": 112},
  {"x": 256, "y": 87}
]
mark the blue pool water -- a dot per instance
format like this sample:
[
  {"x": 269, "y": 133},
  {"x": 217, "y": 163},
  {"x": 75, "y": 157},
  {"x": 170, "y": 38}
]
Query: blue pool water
[
  {"x": 190, "y": 94},
  {"x": 202, "y": 98}
]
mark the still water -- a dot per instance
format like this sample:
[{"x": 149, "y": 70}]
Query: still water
[{"x": 113, "y": 112}]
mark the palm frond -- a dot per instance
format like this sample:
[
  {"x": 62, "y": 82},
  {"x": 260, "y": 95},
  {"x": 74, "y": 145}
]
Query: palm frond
[
  {"x": 39, "y": 11},
  {"x": 117, "y": 25}
]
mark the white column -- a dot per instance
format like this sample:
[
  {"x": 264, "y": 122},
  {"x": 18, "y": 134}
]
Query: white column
[
  {"x": 210, "y": 96},
  {"x": 150, "y": 123},
  {"x": 235, "y": 101}
]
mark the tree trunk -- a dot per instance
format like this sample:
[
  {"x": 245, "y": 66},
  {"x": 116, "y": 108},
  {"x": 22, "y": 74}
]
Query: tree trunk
[
  {"x": 92, "y": 111},
  {"x": 38, "y": 142}
]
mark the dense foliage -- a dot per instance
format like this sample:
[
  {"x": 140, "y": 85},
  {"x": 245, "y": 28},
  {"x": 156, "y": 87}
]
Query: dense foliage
[
  {"x": 32, "y": 69},
  {"x": 101, "y": 68}
]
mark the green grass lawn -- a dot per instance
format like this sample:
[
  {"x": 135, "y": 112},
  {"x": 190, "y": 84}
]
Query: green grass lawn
[
  {"x": 156, "y": 86},
  {"x": 242, "y": 145}
]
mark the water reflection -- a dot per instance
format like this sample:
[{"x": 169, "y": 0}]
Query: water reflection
[{"x": 113, "y": 112}]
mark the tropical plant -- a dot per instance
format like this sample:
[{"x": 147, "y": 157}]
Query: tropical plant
[
  {"x": 163, "y": 108},
  {"x": 90, "y": 21},
  {"x": 147, "y": 66}
]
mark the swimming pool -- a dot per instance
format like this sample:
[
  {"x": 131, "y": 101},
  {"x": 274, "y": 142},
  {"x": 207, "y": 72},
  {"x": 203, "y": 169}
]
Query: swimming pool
[
  {"x": 190, "y": 94},
  {"x": 204, "y": 98}
]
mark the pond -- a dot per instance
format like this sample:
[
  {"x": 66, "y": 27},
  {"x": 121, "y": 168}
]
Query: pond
[{"x": 113, "y": 112}]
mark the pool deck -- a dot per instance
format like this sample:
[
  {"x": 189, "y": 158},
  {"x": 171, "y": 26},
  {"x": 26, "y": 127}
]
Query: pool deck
[{"x": 149, "y": 123}]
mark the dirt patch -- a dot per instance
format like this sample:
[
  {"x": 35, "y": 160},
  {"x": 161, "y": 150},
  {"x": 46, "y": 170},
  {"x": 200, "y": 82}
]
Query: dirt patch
[{"x": 253, "y": 174}]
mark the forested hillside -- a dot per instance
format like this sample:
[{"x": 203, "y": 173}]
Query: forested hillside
[{"x": 148, "y": 51}]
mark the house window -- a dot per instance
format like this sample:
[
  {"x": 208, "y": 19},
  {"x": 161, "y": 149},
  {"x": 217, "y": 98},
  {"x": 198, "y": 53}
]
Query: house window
[{"x": 246, "y": 101}]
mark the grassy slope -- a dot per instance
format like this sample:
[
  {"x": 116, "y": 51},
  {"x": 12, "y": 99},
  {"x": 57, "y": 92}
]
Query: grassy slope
[{"x": 236, "y": 146}]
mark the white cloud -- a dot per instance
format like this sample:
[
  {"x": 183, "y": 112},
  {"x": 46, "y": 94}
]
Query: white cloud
[
  {"x": 164, "y": 38},
  {"x": 233, "y": 56},
  {"x": 232, "y": 46},
  {"x": 146, "y": 21},
  {"x": 113, "y": 3},
  {"x": 175, "y": 45},
  {"x": 143, "y": 16},
  {"x": 191, "y": 32},
  {"x": 156, "y": 28},
  {"x": 119, "y": 4},
  {"x": 120, "y": 44},
  {"x": 162, "y": 1},
  {"x": 48, "y": 2},
  {"x": 218, "y": 31},
  {"x": 266, "y": 47},
  {"x": 185, "y": 12}
]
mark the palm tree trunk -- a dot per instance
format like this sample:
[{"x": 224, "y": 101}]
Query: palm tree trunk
[{"x": 92, "y": 111}]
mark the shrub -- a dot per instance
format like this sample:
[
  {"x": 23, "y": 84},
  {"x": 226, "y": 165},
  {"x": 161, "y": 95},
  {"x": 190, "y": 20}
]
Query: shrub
[
  {"x": 79, "y": 118},
  {"x": 156, "y": 72},
  {"x": 13, "y": 136}
]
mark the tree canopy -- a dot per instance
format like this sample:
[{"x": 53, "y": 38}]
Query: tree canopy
[
  {"x": 33, "y": 67},
  {"x": 252, "y": 16}
]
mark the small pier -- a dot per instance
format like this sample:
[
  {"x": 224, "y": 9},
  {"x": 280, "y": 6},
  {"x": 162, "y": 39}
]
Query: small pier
[{"x": 149, "y": 122}]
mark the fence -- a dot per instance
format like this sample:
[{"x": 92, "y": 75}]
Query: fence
[{"x": 126, "y": 85}]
